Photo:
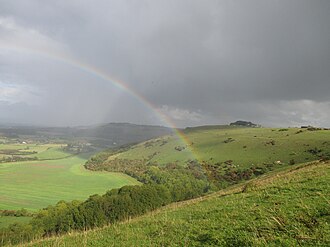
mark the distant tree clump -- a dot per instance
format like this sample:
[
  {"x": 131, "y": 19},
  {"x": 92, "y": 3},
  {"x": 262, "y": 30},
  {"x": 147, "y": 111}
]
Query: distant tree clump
[
  {"x": 244, "y": 124},
  {"x": 228, "y": 140}
]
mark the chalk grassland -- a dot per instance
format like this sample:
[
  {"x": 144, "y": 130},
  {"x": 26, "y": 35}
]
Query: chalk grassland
[
  {"x": 286, "y": 208},
  {"x": 244, "y": 146}
]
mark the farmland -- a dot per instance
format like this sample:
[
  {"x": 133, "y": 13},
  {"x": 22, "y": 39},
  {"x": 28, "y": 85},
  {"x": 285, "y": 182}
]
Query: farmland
[{"x": 54, "y": 175}]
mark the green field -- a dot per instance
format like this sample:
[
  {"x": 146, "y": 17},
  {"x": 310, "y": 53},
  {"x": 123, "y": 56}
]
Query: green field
[
  {"x": 244, "y": 146},
  {"x": 8, "y": 220},
  {"x": 54, "y": 175},
  {"x": 286, "y": 208},
  {"x": 33, "y": 150},
  {"x": 36, "y": 184}
]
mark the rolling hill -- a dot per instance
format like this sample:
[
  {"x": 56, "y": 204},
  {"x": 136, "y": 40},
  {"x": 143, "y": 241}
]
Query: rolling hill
[
  {"x": 253, "y": 178},
  {"x": 244, "y": 146},
  {"x": 226, "y": 154},
  {"x": 284, "y": 208}
]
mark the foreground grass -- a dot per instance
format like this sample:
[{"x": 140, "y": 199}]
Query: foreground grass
[
  {"x": 286, "y": 208},
  {"x": 243, "y": 146},
  {"x": 36, "y": 184}
]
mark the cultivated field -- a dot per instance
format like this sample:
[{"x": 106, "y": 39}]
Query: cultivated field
[
  {"x": 34, "y": 185},
  {"x": 54, "y": 175}
]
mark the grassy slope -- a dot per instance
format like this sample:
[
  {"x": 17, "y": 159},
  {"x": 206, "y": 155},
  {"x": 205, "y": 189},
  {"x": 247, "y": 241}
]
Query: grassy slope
[
  {"x": 287, "y": 208},
  {"x": 208, "y": 145}
]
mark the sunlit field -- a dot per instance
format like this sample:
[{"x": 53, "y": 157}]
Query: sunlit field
[{"x": 60, "y": 176}]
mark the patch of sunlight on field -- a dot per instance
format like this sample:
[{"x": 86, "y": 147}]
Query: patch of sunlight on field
[{"x": 37, "y": 184}]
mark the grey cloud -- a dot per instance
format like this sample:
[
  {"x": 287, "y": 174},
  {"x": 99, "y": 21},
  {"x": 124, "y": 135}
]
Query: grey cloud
[{"x": 200, "y": 61}]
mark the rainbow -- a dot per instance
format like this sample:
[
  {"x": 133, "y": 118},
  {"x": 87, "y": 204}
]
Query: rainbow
[{"x": 90, "y": 69}]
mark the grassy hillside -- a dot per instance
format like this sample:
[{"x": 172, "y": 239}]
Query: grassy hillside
[
  {"x": 286, "y": 208},
  {"x": 243, "y": 146},
  {"x": 224, "y": 154}
]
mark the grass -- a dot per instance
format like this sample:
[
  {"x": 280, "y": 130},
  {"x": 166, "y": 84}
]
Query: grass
[
  {"x": 53, "y": 152},
  {"x": 245, "y": 146},
  {"x": 40, "y": 151},
  {"x": 36, "y": 184},
  {"x": 285, "y": 208},
  {"x": 8, "y": 220}
]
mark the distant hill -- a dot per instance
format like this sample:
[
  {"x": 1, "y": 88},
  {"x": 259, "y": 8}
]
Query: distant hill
[{"x": 106, "y": 135}]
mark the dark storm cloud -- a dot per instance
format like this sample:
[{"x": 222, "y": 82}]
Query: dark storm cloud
[{"x": 197, "y": 61}]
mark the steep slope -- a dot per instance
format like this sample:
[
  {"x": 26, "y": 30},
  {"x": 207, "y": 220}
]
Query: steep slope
[{"x": 286, "y": 208}]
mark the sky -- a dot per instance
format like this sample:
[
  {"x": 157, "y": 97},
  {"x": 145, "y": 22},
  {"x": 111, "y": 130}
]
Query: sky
[{"x": 165, "y": 62}]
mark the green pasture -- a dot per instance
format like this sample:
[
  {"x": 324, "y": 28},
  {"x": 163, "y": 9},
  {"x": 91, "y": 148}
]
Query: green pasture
[
  {"x": 40, "y": 151},
  {"x": 8, "y": 220},
  {"x": 287, "y": 208},
  {"x": 244, "y": 146},
  {"x": 53, "y": 152},
  {"x": 37, "y": 184}
]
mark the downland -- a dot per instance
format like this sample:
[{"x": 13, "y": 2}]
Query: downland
[
  {"x": 236, "y": 168},
  {"x": 290, "y": 207}
]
